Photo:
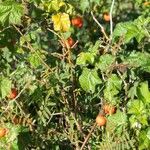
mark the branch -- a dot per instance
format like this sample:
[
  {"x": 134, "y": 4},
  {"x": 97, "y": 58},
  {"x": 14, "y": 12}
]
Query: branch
[
  {"x": 111, "y": 22},
  {"x": 102, "y": 28},
  {"x": 88, "y": 136},
  {"x": 32, "y": 49}
]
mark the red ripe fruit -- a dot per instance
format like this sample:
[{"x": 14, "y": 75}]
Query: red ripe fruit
[
  {"x": 13, "y": 94},
  {"x": 70, "y": 42},
  {"x": 77, "y": 22}
]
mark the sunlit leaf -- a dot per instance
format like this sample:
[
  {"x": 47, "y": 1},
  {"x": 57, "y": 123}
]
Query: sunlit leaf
[
  {"x": 85, "y": 58},
  {"x": 143, "y": 92},
  {"x": 53, "y": 5},
  {"x": 61, "y": 22},
  {"x": 105, "y": 61},
  {"x": 136, "y": 107},
  {"x": 5, "y": 86},
  {"x": 11, "y": 12},
  {"x": 89, "y": 79},
  {"x": 133, "y": 29},
  {"x": 116, "y": 120}
]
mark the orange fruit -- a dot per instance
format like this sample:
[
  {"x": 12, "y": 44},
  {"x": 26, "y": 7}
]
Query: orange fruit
[
  {"x": 106, "y": 17},
  {"x": 109, "y": 109},
  {"x": 3, "y": 132},
  {"x": 101, "y": 120},
  {"x": 13, "y": 93}
]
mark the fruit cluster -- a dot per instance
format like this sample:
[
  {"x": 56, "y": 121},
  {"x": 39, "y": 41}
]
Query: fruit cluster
[
  {"x": 108, "y": 110},
  {"x": 78, "y": 23}
]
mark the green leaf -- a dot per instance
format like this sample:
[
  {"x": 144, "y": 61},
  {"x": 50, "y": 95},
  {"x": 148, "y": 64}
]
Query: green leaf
[
  {"x": 138, "y": 59},
  {"x": 142, "y": 118},
  {"x": 113, "y": 86},
  {"x": 115, "y": 121},
  {"x": 114, "y": 82},
  {"x": 120, "y": 29},
  {"x": 119, "y": 118},
  {"x": 148, "y": 133},
  {"x": 88, "y": 57},
  {"x": 5, "y": 86},
  {"x": 34, "y": 60},
  {"x": 129, "y": 30},
  {"x": 144, "y": 141},
  {"x": 95, "y": 1},
  {"x": 53, "y": 5},
  {"x": 89, "y": 79},
  {"x": 134, "y": 122},
  {"x": 105, "y": 61},
  {"x": 11, "y": 12},
  {"x": 85, "y": 58},
  {"x": 84, "y": 4},
  {"x": 143, "y": 92},
  {"x": 133, "y": 90},
  {"x": 136, "y": 107},
  {"x": 14, "y": 145},
  {"x": 94, "y": 48}
]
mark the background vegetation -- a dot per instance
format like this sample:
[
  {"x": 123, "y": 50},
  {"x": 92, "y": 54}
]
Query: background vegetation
[{"x": 63, "y": 62}]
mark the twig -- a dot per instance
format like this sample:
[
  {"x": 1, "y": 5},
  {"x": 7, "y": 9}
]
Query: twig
[
  {"x": 88, "y": 136},
  {"x": 55, "y": 33},
  {"x": 102, "y": 28},
  {"x": 14, "y": 100},
  {"x": 32, "y": 49},
  {"x": 4, "y": 29},
  {"x": 111, "y": 22},
  {"x": 75, "y": 44},
  {"x": 77, "y": 124}
]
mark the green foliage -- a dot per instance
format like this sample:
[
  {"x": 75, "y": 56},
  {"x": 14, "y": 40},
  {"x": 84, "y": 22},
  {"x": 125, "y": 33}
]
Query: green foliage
[
  {"x": 89, "y": 79},
  {"x": 139, "y": 110},
  {"x": 63, "y": 85},
  {"x": 115, "y": 142},
  {"x": 144, "y": 93},
  {"x": 139, "y": 59},
  {"x": 137, "y": 29},
  {"x": 105, "y": 62},
  {"x": 85, "y": 58},
  {"x": 113, "y": 86},
  {"x": 144, "y": 139},
  {"x": 116, "y": 122},
  {"x": 5, "y": 86},
  {"x": 11, "y": 12}
]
